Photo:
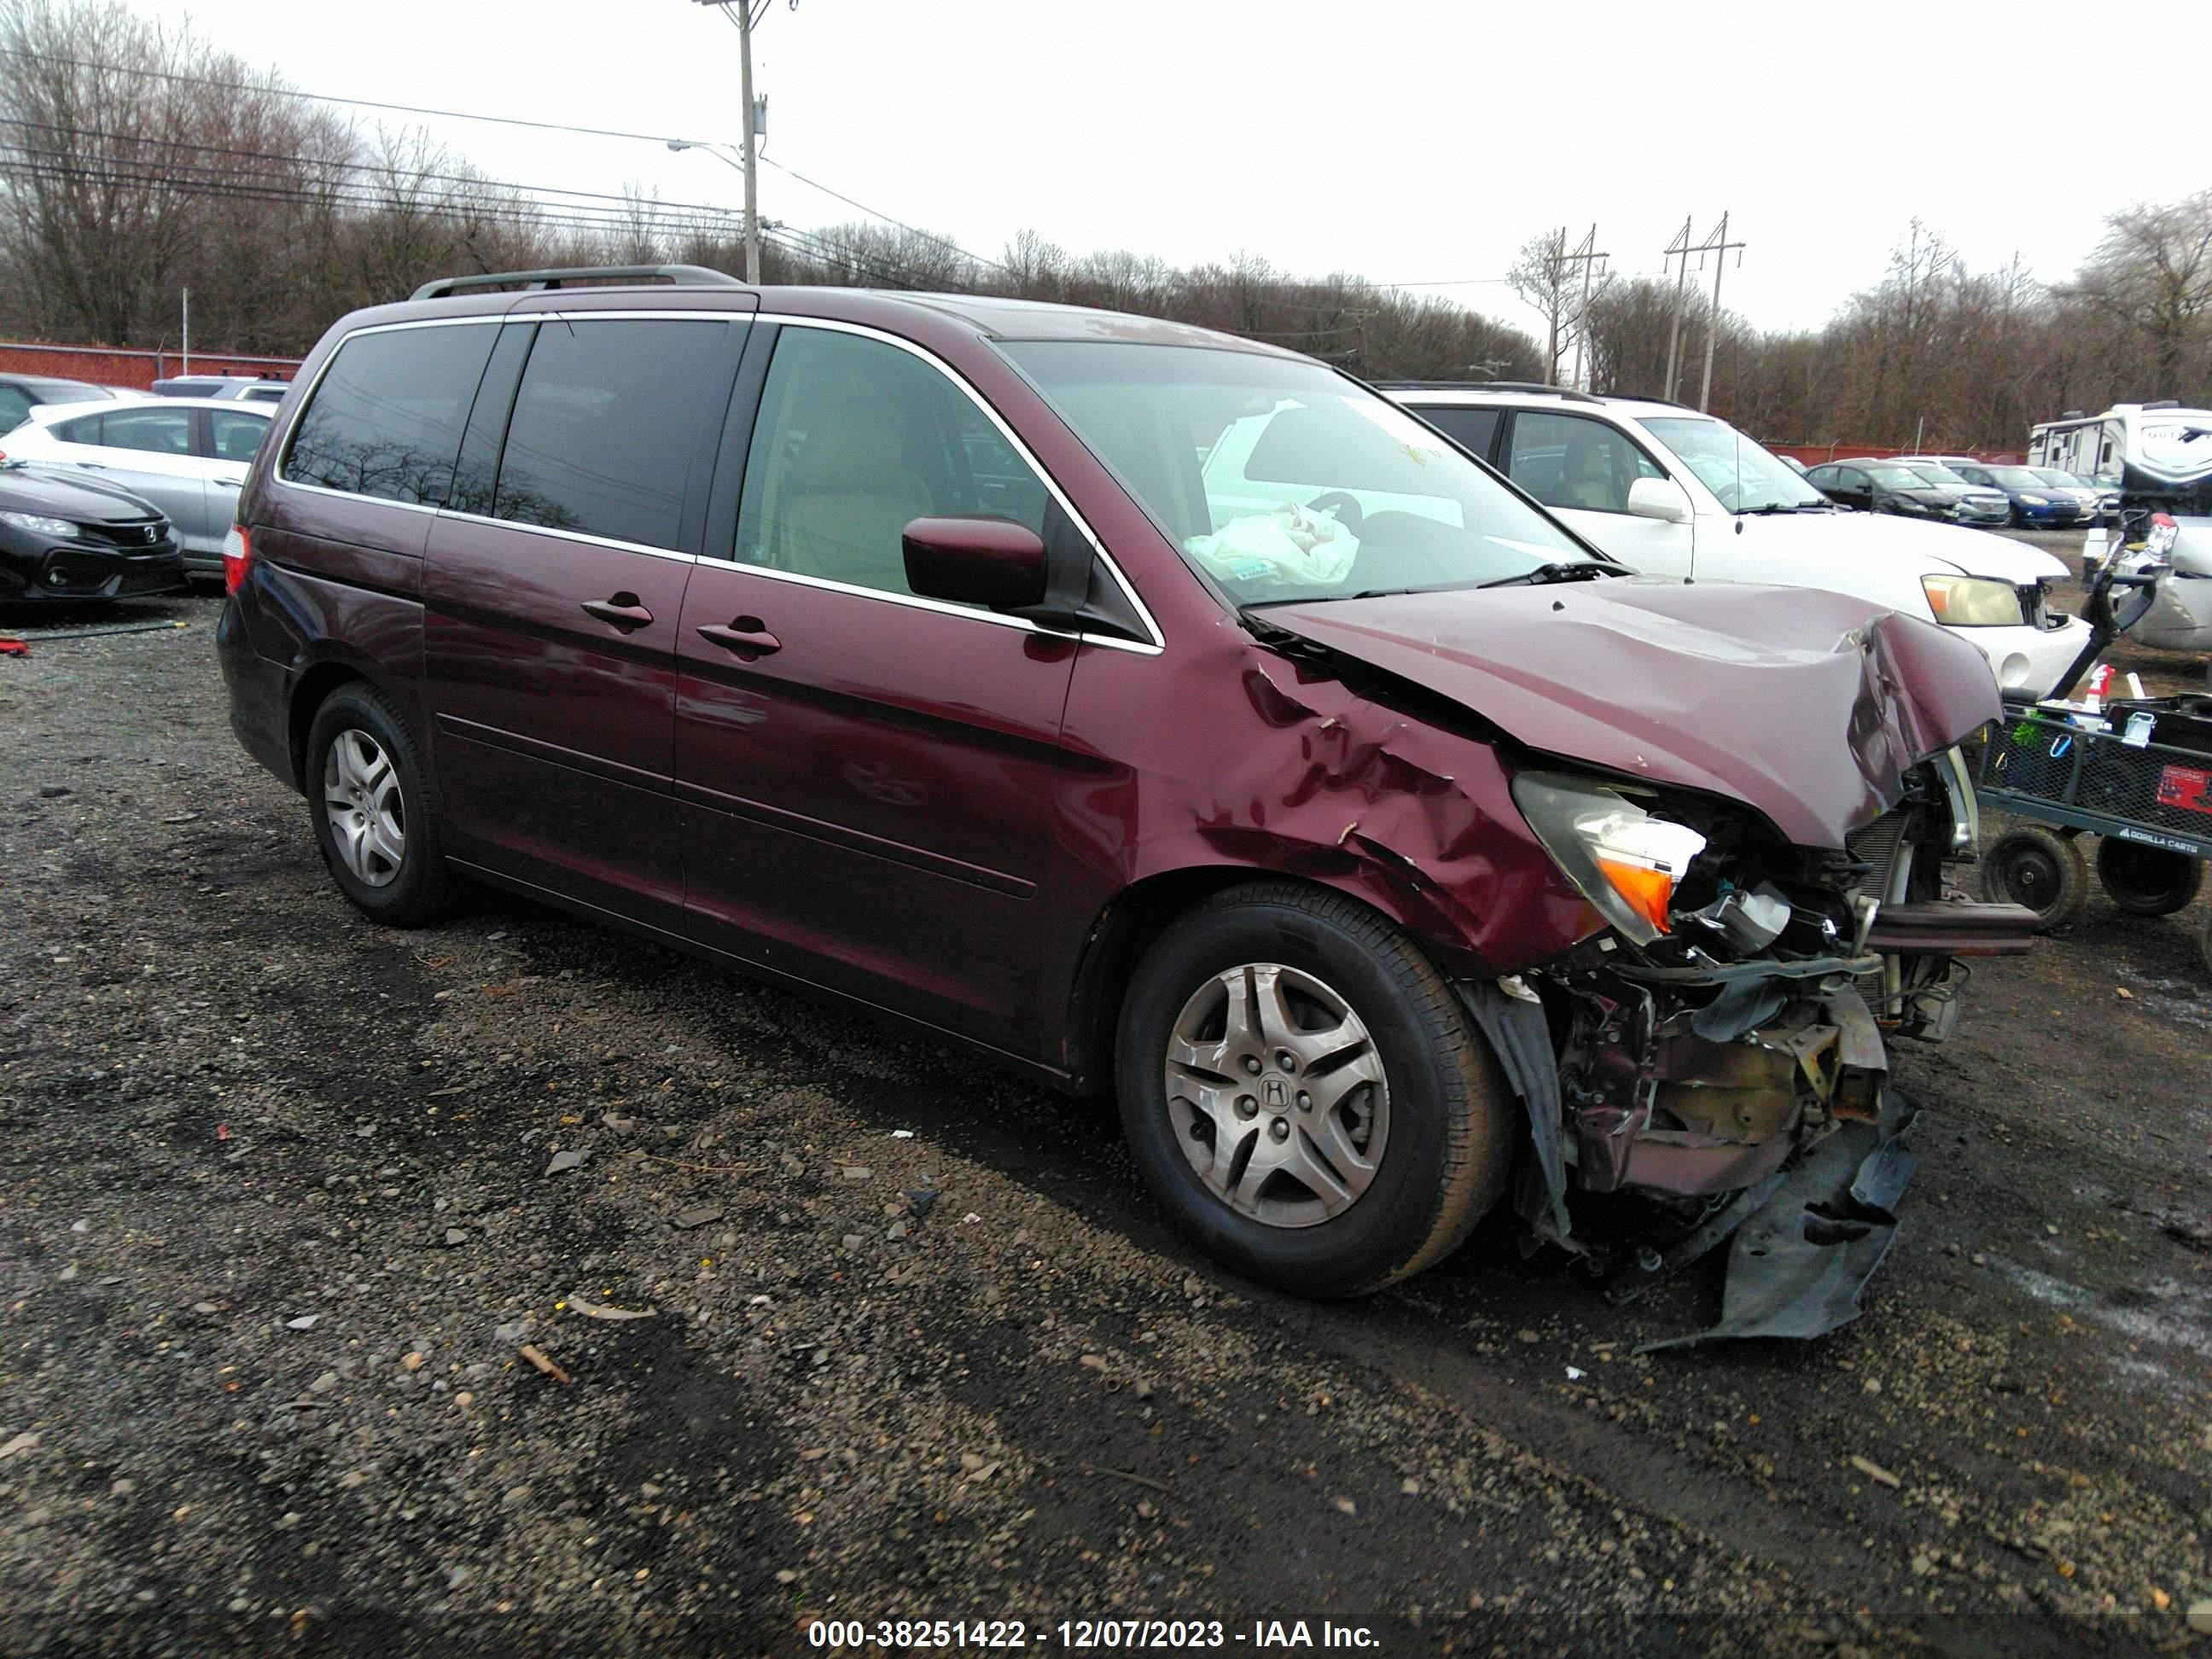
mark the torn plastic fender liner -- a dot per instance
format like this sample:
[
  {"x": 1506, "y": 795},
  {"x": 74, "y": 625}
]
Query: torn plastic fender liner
[{"x": 1521, "y": 1037}]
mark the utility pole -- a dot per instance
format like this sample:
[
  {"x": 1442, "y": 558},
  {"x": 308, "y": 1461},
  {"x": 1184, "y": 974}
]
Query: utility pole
[
  {"x": 1679, "y": 247},
  {"x": 741, "y": 12},
  {"x": 1588, "y": 256},
  {"x": 1719, "y": 245}
]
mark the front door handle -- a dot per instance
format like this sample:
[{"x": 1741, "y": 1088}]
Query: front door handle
[
  {"x": 748, "y": 636},
  {"x": 232, "y": 484},
  {"x": 622, "y": 610}
]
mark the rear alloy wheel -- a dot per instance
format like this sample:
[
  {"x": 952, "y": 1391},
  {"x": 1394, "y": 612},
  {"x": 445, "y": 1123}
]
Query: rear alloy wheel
[
  {"x": 2039, "y": 868},
  {"x": 1305, "y": 1095},
  {"x": 2146, "y": 881},
  {"x": 371, "y": 813}
]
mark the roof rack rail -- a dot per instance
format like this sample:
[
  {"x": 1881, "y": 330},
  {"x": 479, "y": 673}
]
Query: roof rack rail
[
  {"x": 1485, "y": 386},
  {"x": 569, "y": 276}
]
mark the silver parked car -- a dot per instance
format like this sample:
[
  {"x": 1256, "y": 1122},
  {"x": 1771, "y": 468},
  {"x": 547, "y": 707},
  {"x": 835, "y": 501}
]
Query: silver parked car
[{"x": 187, "y": 455}]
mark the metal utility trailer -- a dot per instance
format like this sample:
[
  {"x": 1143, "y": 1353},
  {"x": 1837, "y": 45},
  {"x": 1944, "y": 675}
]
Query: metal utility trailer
[
  {"x": 2150, "y": 803},
  {"x": 2137, "y": 775}
]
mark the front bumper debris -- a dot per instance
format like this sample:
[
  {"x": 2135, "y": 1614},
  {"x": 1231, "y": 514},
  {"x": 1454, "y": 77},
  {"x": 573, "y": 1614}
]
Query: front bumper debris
[{"x": 1807, "y": 1241}]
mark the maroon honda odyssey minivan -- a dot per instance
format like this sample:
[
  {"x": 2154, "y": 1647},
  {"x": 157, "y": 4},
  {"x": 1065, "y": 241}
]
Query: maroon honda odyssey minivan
[{"x": 1382, "y": 846}]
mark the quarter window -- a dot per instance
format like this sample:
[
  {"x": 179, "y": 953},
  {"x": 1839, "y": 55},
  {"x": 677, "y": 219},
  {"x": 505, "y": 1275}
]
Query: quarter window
[
  {"x": 605, "y": 425},
  {"x": 856, "y": 439},
  {"x": 1568, "y": 461},
  {"x": 1472, "y": 429},
  {"x": 85, "y": 430},
  {"x": 386, "y": 419}
]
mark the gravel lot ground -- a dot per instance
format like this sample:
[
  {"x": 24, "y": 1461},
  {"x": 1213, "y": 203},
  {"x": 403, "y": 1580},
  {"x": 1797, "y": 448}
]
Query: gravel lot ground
[{"x": 284, "y": 1204}]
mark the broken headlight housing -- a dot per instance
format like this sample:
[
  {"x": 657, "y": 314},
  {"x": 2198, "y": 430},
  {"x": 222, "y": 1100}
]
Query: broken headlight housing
[
  {"x": 1972, "y": 601},
  {"x": 1624, "y": 861}
]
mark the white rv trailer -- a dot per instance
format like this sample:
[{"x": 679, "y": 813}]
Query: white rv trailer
[{"x": 2158, "y": 456}]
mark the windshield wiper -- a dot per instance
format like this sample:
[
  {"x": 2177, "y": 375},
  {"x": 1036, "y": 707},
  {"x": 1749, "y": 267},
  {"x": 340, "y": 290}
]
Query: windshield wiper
[
  {"x": 1577, "y": 570},
  {"x": 1786, "y": 507}
]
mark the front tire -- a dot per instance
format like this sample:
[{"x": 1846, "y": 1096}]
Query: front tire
[
  {"x": 1304, "y": 1095},
  {"x": 371, "y": 813}
]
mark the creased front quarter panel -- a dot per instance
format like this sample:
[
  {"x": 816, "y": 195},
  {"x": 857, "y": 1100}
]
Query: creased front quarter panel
[{"x": 1221, "y": 755}]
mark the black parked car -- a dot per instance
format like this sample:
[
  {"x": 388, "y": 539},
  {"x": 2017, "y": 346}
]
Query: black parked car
[
  {"x": 22, "y": 393},
  {"x": 1872, "y": 486},
  {"x": 74, "y": 539}
]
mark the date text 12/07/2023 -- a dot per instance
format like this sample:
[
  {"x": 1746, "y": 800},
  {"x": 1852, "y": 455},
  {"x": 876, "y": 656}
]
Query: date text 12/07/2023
[{"x": 1085, "y": 1635}]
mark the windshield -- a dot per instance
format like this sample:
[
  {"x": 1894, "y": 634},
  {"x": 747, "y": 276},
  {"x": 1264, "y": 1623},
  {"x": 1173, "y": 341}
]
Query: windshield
[
  {"x": 1896, "y": 477},
  {"x": 2016, "y": 478},
  {"x": 1742, "y": 476},
  {"x": 2057, "y": 480},
  {"x": 1283, "y": 480},
  {"x": 1940, "y": 475}
]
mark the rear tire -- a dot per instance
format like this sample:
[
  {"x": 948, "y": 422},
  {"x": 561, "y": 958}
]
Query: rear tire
[
  {"x": 2039, "y": 868},
  {"x": 371, "y": 813},
  {"x": 1304, "y": 1095},
  {"x": 2146, "y": 881}
]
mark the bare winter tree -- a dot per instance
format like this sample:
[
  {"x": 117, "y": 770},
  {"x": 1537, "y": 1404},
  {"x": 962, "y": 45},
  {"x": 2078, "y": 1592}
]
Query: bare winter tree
[{"x": 2152, "y": 273}]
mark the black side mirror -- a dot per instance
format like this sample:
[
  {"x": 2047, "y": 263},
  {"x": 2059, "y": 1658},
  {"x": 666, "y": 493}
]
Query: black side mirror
[{"x": 992, "y": 563}]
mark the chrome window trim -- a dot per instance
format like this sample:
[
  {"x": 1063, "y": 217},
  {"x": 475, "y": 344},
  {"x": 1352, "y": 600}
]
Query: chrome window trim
[{"x": 1151, "y": 647}]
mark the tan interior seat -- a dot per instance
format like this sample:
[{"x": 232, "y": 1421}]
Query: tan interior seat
[{"x": 849, "y": 496}]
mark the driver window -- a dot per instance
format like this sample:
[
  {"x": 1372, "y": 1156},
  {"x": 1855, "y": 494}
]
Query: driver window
[
  {"x": 857, "y": 438},
  {"x": 1570, "y": 461}
]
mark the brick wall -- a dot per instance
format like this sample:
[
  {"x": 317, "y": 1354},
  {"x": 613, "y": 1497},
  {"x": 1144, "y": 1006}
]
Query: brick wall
[{"x": 121, "y": 367}]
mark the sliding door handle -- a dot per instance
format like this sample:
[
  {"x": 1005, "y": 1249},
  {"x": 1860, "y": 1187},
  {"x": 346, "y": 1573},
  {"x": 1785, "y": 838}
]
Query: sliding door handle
[{"x": 622, "y": 610}]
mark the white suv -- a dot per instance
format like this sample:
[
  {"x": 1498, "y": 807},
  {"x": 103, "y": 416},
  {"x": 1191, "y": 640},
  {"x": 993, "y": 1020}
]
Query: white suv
[{"x": 1670, "y": 492}]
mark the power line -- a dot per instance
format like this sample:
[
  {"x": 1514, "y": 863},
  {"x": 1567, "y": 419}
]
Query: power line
[
  {"x": 501, "y": 120},
  {"x": 332, "y": 98}
]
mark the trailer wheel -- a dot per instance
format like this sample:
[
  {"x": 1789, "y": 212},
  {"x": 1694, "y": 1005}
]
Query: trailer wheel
[
  {"x": 2039, "y": 868},
  {"x": 2204, "y": 942},
  {"x": 2146, "y": 881}
]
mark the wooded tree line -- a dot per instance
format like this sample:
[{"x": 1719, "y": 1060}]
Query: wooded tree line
[{"x": 136, "y": 162}]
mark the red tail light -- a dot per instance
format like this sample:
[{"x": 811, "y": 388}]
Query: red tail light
[{"x": 237, "y": 556}]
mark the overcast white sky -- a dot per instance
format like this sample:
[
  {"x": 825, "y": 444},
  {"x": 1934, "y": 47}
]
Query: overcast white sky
[{"x": 1414, "y": 143}]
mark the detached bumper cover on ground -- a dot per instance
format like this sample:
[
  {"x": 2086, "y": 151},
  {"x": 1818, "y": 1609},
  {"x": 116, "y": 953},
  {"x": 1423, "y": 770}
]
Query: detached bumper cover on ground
[{"x": 1807, "y": 1242}]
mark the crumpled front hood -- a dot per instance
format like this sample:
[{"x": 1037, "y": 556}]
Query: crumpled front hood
[
  {"x": 1808, "y": 706},
  {"x": 1870, "y": 535}
]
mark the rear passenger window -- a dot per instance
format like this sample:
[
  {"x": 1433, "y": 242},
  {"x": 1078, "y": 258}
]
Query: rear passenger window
[
  {"x": 856, "y": 439},
  {"x": 15, "y": 406},
  {"x": 386, "y": 419},
  {"x": 605, "y": 424}
]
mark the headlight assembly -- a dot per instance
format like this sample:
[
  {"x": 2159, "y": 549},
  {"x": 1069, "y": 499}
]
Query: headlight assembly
[
  {"x": 1972, "y": 601},
  {"x": 1625, "y": 861},
  {"x": 39, "y": 524}
]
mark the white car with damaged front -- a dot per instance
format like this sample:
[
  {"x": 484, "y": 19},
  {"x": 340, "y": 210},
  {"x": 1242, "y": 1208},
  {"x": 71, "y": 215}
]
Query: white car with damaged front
[{"x": 1670, "y": 492}]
